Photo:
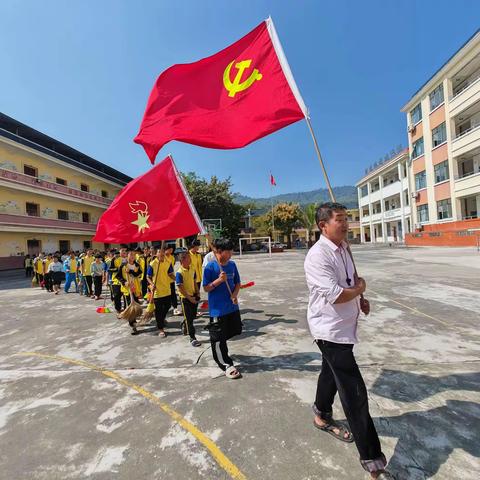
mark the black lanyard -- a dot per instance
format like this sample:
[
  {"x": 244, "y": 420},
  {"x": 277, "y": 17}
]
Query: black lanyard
[{"x": 344, "y": 261}]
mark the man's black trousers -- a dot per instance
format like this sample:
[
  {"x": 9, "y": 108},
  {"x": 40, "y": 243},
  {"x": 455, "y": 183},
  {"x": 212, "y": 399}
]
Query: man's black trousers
[{"x": 340, "y": 373}]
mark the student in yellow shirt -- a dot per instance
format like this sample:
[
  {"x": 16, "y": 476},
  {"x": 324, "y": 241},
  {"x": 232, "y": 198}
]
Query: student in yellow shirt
[
  {"x": 38, "y": 269},
  {"x": 159, "y": 274},
  {"x": 70, "y": 265},
  {"x": 46, "y": 275},
  {"x": 143, "y": 259},
  {"x": 130, "y": 273},
  {"x": 171, "y": 258},
  {"x": 131, "y": 286},
  {"x": 196, "y": 261},
  {"x": 86, "y": 270},
  {"x": 115, "y": 269},
  {"x": 189, "y": 296}
]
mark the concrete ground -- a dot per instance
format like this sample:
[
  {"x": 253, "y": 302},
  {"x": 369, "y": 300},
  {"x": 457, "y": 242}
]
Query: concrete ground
[{"x": 143, "y": 408}]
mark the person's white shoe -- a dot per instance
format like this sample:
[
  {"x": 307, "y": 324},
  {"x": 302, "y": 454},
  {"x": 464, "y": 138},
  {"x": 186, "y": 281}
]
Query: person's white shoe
[{"x": 176, "y": 311}]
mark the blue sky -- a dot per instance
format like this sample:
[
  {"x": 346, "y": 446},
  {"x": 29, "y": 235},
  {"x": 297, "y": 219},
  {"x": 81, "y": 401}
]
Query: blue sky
[{"x": 81, "y": 71}]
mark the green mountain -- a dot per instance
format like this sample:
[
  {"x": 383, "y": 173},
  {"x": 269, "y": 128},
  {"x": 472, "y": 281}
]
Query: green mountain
[{"x": 347, "y": 195}]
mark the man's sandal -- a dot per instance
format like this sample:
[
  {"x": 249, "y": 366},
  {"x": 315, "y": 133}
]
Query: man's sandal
[
  {"x": 332, "y": 426},
  {"x": 232, "y": 373}
]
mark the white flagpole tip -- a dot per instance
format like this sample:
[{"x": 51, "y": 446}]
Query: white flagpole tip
[{"x": 285, "y": 66}]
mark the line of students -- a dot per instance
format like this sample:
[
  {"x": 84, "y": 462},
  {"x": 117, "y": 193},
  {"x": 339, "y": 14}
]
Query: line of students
[
  {"x": 218, "y": 275},
  {"x": 131, "y": 274}
]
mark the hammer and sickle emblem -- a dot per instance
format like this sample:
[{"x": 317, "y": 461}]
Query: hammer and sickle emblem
[{"x": 238, "y": 86}]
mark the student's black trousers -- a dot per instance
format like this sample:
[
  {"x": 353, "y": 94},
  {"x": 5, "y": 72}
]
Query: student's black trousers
[
  {"x": 189, "y": 315},
  {"x": 162, "y": 306},
  {"x": 117, "y": 297},
  {"x": 97, "y": 281},
  {"x": 222, "y": 329}
]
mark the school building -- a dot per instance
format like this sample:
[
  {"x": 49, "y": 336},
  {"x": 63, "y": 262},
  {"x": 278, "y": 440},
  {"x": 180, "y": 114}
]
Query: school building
[
  {"x": 384, "y": 200},
  {"x": 51, "y": 195},
  {"x": 443, "y": 125}
]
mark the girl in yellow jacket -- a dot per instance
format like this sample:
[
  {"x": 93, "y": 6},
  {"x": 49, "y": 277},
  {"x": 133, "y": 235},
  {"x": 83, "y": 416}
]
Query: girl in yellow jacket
[{"x": 131, "y": 273}]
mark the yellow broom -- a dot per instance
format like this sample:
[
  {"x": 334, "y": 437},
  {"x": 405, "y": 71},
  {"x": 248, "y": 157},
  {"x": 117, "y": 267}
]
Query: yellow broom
[{"x": 133, "y": 311}]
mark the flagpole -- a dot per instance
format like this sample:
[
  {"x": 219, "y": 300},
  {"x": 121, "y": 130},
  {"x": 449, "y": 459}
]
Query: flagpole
[
  {"x": 327, "y": 181},
  {"x": 319, "y": 155},
  {"x": 271, "y": 203}
]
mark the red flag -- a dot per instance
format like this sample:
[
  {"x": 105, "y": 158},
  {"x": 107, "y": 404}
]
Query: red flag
[
  {"x": 228, "y": 100},
  {"x": 272, "y": 181},
  {"x": 154, "y": 206}
]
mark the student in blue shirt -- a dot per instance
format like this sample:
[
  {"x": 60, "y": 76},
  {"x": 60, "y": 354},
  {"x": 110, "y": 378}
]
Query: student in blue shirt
[{"x": 221, "y": 281}]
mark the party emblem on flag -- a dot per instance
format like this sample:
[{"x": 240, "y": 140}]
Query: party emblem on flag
[
  {"x": 238, "y": 86},
  {"x": 141, "y": 209}
]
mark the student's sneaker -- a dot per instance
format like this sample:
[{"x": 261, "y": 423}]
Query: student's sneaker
[
  {"x": 195, "y": 343},
  {"x": 177, "y": 312}
]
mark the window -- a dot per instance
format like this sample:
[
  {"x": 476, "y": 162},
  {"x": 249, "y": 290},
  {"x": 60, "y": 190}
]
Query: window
[
  {"x": 32, "y": 209},
  {"x": 441, "y": 172},
  {"x": 439, "y": 135},
  {"x": 32, "y": 171},
  {"x": 61, "y": 181},
  {"x": 84, "y": 187},
  {"x": 104, "y": 194},
  {"x": 421, "y": 180},
  {"x": 64, "y": 246},
  {"x": 416, "y": 114},
  {"x": 417, "y": 148},
  {"x": 87, "y": 244},
  {"x": 444, "y": 209},
  {"x": 364, "y": 191},
  {"x": 62, "y": 215},
  {"x": 85, "y": 217},
  {"x": 422, "y": 213},
  {"x": 436, "y": 97}
]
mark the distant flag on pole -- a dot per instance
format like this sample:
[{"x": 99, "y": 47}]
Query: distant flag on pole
[
  {"x": 228, "y": 100},
  {"x": 272, "y": 181},
  {"x": 155, "y": 206}
]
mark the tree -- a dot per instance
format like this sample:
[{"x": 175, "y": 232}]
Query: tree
[
  {"x": 262, "y": 225},
  {"x": 309, "y": 220},
  {"x": 213, "y": 199},
  {"x": 287, "y": 216}
]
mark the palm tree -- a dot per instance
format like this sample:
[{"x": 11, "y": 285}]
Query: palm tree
[{"x": 308, "y": 220}]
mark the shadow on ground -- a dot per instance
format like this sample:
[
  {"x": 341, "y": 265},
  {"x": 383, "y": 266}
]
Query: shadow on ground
[{"x": 427, "y": 438}]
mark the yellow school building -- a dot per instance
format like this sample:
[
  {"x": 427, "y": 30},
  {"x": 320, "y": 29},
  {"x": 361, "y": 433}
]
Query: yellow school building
[{"x": 51, "y": 195}]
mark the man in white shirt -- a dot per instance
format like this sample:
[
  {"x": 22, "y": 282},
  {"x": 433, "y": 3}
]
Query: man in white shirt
[{"x": 335, "y": 302}]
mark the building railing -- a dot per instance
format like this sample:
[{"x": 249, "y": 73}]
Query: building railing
[
  {"x": 392, "y": 213},
  {"x": 465, "y": 175},
  {"x": 468, "y": 82},
  {"x": 17, "y": 177},
  {"x": 33, "y": 221},
  {"x": 468, "y": 130}
]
